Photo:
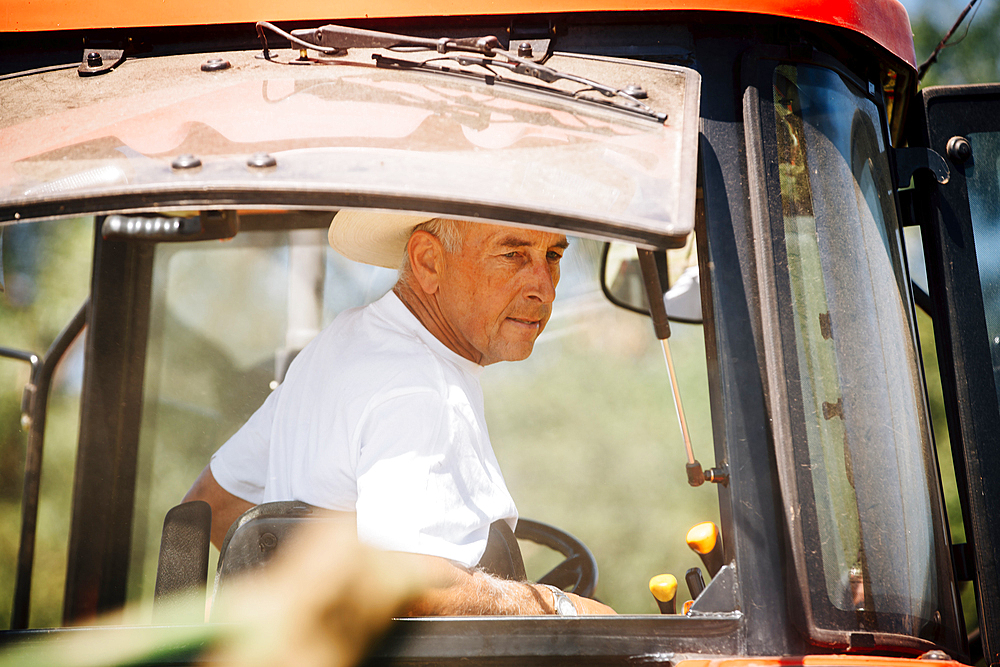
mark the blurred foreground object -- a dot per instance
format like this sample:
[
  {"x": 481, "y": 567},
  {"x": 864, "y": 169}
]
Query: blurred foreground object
[{"x": 326, "y": 603}]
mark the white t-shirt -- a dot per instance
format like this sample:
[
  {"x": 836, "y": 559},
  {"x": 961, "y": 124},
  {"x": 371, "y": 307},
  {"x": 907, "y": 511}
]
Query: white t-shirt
[{"x": 377, "y": 416}]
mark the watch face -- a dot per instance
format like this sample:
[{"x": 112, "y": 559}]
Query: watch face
[{"x": 565, "y": 606}]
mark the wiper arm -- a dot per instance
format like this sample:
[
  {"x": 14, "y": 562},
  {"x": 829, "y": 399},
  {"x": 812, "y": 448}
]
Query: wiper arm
[
  {"x": 337, "y": 38},
  {"x": 343, "y": 37}
]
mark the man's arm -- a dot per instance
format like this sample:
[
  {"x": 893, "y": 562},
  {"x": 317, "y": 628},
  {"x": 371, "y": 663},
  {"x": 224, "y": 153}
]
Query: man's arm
[
  {"x": 475, "y": 593},
  {"x": 226, "y": 508},
  {"x": 464, "y": 593}
]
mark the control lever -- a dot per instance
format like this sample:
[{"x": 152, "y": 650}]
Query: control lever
[
  {"x": 695, "y": 582},
  {"x": 664, "y": 589},
  {"x": 650, "y": 266},
  {"x": 705, "y": 540}
]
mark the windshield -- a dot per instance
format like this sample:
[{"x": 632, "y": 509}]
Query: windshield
[
  {"x": 861, "y": 462},
  {"x": 584, "y": 430}
]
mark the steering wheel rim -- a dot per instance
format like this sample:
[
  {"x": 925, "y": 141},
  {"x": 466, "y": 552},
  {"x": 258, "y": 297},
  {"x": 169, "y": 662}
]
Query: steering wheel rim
[{"x": 577, "y": 572}]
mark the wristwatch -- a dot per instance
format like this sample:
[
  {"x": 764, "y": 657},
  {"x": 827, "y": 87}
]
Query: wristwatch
[{"x": 561, "y": 602}]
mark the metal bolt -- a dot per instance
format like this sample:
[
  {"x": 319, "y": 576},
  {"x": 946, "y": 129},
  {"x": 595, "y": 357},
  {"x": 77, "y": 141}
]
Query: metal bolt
[
  {"x": 935, "y": 655},
  {"x": 261, "y": 161},
  {"x": 267, "y": 542},
  {"x": 186, "y": 161},
  {"x": 94, "y": 59},
  {"x": 214, "y": 65},
  {"x": 959, "y": 149},
  {"x": 524, "y": 50},
  {"x": 635, "y": 91}
]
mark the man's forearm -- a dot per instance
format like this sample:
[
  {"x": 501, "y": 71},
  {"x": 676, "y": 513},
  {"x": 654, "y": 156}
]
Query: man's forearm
[
  {"x": 478, "y": 593},
  {"x": 475, "y": 593}
]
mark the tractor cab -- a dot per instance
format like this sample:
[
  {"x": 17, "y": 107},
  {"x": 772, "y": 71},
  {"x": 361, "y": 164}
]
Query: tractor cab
[{"x": 748, "y": 192}]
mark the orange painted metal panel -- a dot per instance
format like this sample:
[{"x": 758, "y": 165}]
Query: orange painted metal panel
[
  {"x": 820, "y": 661},
  {"x": 884, "y": 21}
]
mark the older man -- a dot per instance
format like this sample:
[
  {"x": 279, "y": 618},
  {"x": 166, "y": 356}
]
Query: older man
[{"x": 382, "y": 414}]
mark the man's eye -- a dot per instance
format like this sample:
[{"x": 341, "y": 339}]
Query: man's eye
[
  {"x": 554, "y": 256},
  {"x": 511, "y": 255}
]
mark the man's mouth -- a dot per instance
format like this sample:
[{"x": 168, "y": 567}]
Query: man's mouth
[{"x": 525, "y": 321}]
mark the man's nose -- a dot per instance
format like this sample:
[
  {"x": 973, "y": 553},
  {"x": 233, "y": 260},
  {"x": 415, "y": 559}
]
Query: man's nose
[{"x": 542, "y": 282}]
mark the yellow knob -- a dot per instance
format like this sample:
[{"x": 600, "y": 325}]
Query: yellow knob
[
  {"x": 663, "y": 587},
  {"x": 703, "y": 537}
]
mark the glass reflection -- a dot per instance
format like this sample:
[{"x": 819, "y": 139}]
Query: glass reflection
[{"x": 983, "y": 178}]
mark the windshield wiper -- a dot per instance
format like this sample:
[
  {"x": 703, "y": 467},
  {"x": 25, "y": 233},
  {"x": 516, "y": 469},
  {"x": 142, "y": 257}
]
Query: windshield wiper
[
  {"x": 337, "y": 39},
  {"x": 343, "y": 37}
]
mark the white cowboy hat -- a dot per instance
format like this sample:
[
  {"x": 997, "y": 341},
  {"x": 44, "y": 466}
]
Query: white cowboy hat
[{"x": 373, "y": 237}]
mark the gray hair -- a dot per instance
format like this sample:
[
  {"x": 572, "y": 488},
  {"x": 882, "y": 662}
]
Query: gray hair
[{"x": 449, "y": 232}]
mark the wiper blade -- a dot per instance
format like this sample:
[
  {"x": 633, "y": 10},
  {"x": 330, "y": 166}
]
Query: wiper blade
[{"x": 548, "y": 75}]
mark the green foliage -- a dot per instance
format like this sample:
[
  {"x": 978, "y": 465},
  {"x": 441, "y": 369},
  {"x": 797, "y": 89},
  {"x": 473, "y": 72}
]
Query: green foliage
[
  {"x": 946, "y": 465},
  {"x": 47, "y": 271},
  {"x": 973, "y": 52}
]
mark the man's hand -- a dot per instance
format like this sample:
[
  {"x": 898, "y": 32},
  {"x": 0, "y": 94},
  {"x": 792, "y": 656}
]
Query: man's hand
[
  {"x": 589, "y": 607},
  {"x": 473, "y": 592}
]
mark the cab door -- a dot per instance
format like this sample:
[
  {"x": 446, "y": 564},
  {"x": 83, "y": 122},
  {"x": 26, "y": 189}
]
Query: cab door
[{"x": 960, "y": 224}]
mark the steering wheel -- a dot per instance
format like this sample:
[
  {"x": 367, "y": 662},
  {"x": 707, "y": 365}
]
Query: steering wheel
[{"x": 577, "y": 573}]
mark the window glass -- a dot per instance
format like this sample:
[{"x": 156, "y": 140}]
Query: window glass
[
  {"x": 584, "y": 430},
  {"x": 46, "y": 275},
  {"x": 983, "y": 178},
  {"x": 861, "y": 446}
]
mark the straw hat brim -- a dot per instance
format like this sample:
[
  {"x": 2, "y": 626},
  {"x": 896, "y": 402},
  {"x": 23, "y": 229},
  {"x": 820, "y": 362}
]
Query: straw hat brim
[{"x": 373, "y": 237}]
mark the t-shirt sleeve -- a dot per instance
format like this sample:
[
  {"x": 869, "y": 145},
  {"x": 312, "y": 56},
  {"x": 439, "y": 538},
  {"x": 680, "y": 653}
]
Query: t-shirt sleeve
[
  {"x": 422, "y": 484},
  {"x": 240, "y": 465}
]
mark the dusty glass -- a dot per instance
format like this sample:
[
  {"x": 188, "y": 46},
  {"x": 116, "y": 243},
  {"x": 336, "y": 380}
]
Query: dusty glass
[{"x": 862, "y": 445}]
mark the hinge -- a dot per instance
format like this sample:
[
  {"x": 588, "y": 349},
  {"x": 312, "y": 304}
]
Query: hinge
[
  {"x": 100, "y": 61},
  {"x": 100, "y": 56},
  {"x": 532, "y": 39},
  {"x": 910, "y": 160}
]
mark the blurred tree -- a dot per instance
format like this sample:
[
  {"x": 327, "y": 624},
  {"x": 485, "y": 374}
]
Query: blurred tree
[
  {"x": 47, "y": 278},
  {"x": 973, "y": 52}
]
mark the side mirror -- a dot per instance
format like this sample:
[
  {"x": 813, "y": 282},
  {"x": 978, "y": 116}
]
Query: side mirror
[{"x": 621, "y": 281}]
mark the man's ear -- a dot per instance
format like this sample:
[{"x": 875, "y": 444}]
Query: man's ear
[{"x": 426, "y": 260}]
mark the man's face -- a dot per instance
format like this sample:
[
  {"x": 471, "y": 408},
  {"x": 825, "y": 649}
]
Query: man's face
[{"x": 496, "y": 291}]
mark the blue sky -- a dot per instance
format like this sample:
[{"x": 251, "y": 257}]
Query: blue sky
[{"x": 946, "y": 11}]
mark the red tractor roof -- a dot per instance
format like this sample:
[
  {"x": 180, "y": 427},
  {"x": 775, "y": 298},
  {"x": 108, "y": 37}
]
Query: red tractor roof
[{"x": 884, "y": 21}]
